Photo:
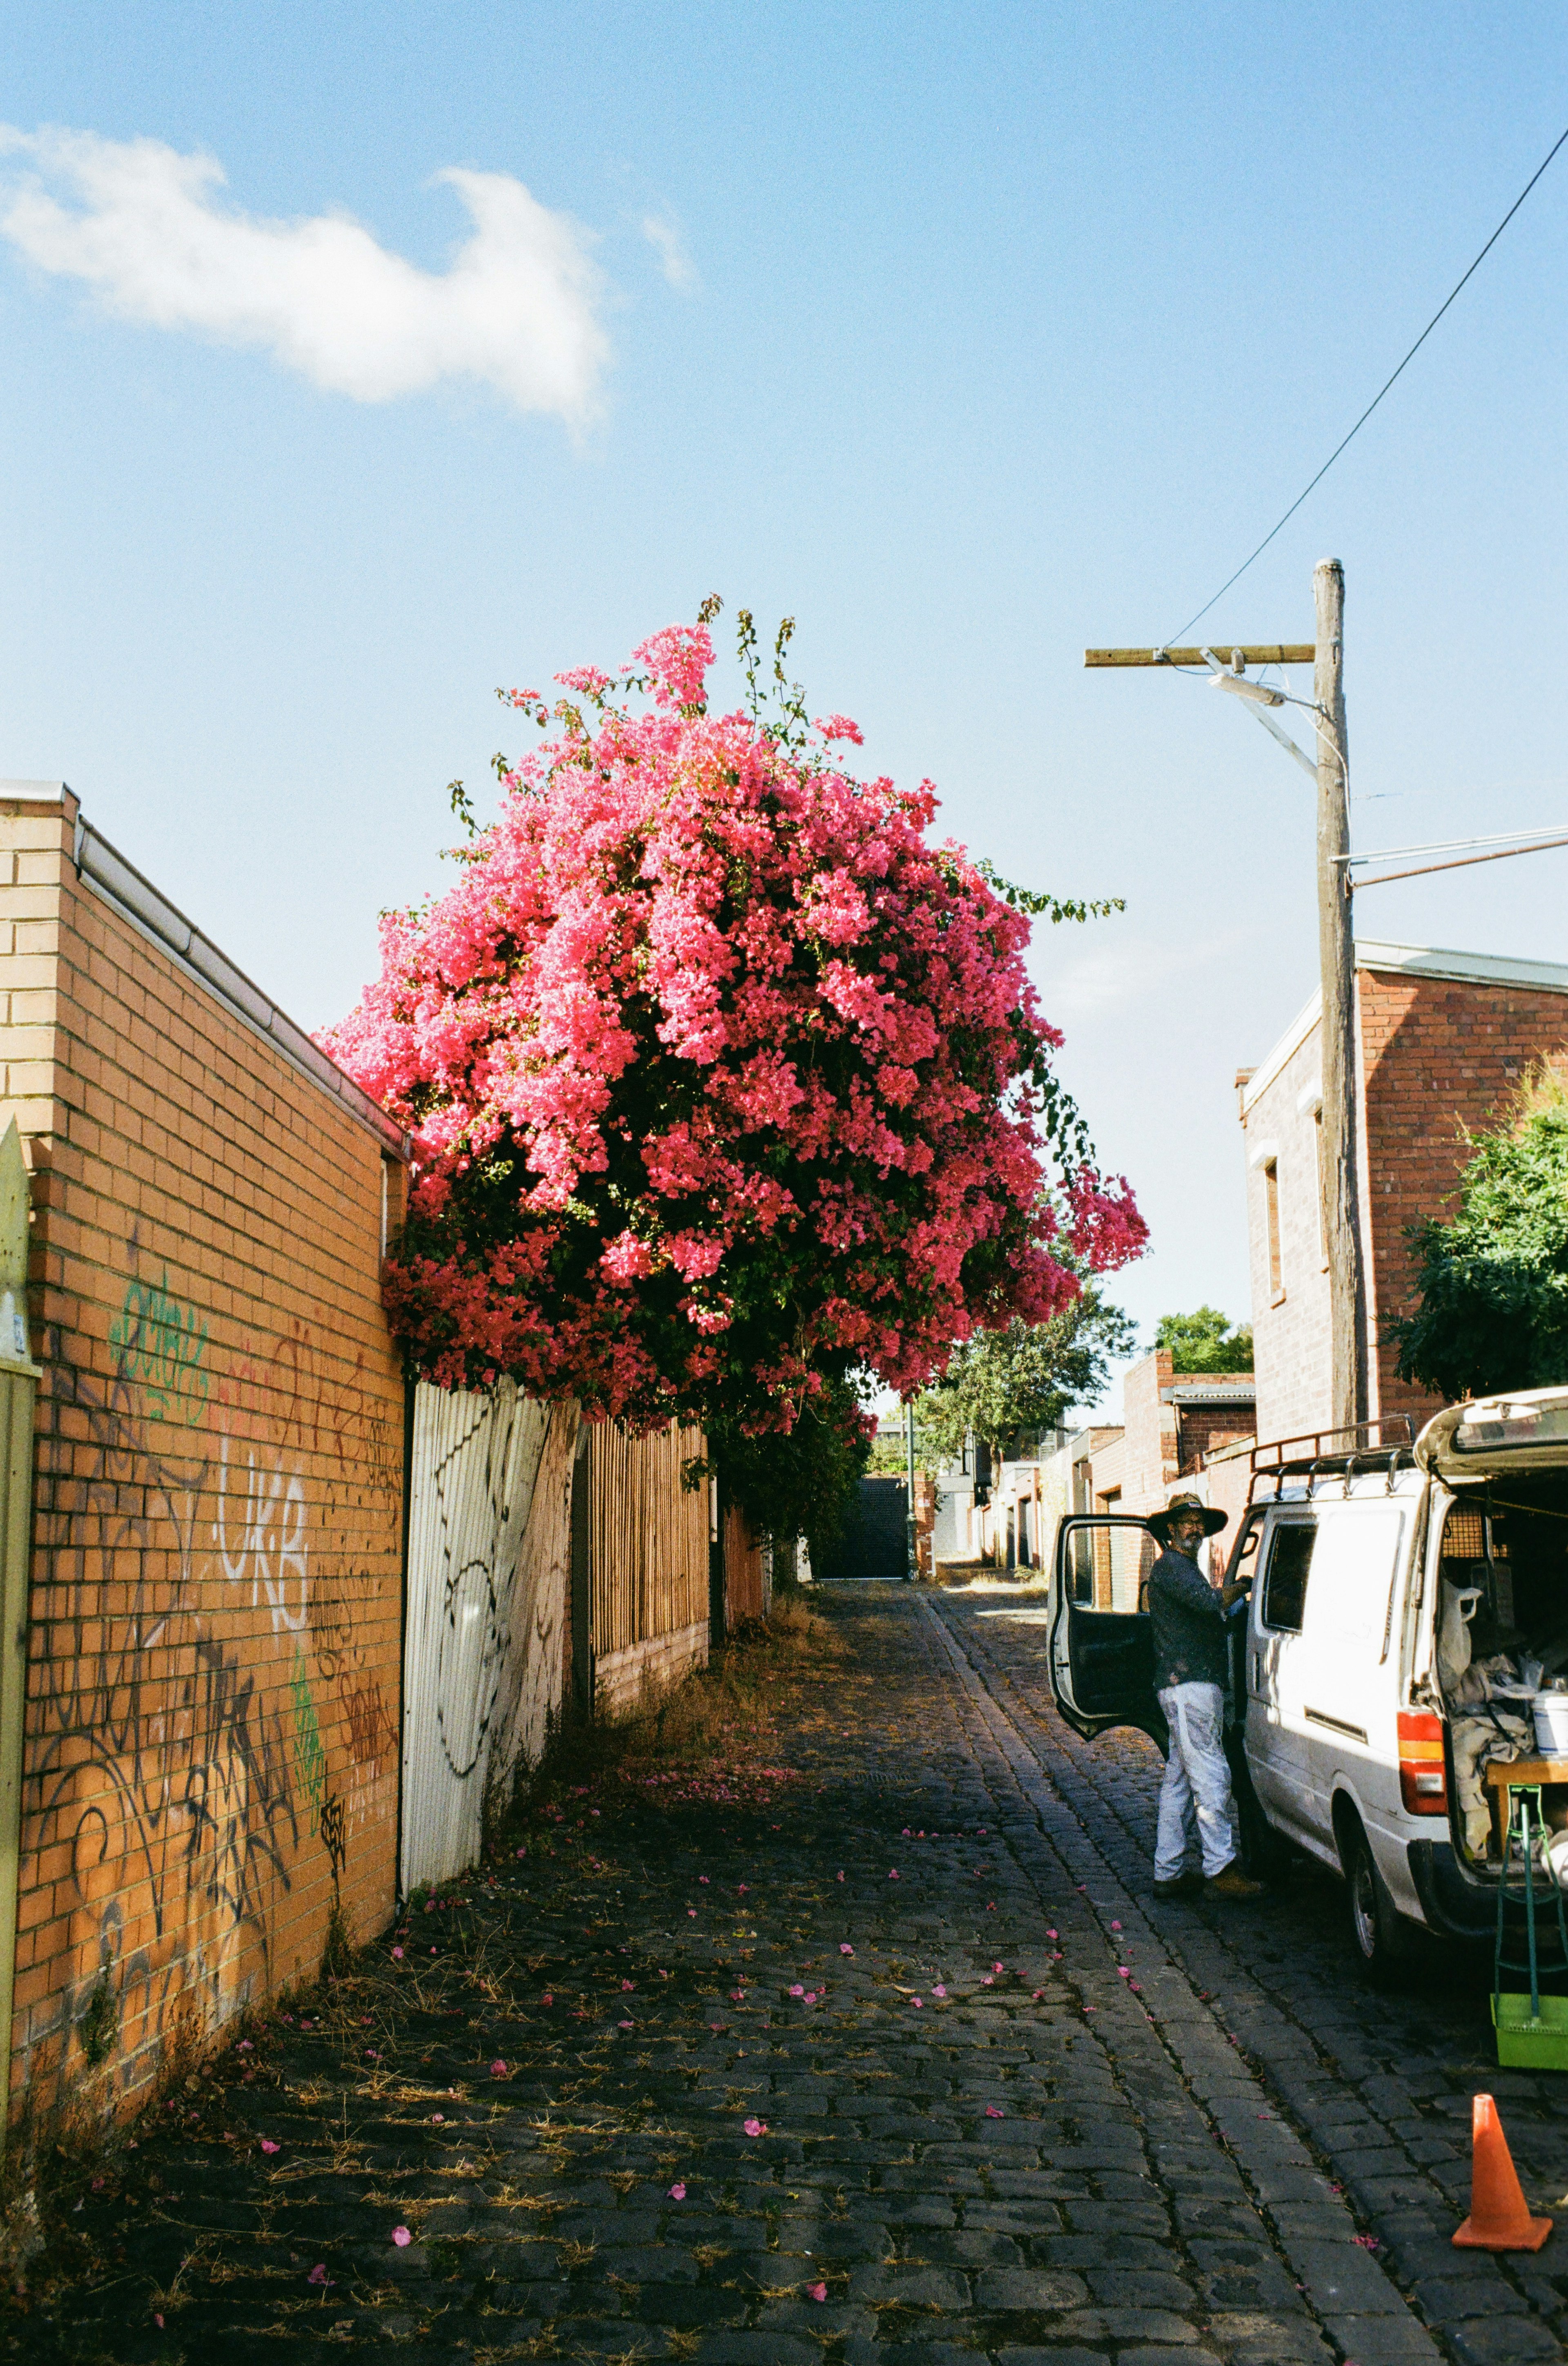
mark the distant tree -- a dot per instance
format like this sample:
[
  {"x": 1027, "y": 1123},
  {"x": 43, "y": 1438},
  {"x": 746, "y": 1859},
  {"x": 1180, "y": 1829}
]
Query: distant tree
[
  {"x": 1492, "y": 1285},
  {"x": 1000, "y": 1384},
  {"x": 1204, "y": 1342}
]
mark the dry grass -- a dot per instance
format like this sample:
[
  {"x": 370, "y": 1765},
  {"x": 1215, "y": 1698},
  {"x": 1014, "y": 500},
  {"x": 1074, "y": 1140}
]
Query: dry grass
[{"x": 662, "y": 1748}]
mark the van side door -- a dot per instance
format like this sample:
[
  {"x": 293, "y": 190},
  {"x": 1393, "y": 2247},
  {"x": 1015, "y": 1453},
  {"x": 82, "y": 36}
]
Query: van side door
[
  {"x": 1275, "y": 1732},
  {"x": 1348, "y": 1658},
  {"x": 1102, "y": 1656}
]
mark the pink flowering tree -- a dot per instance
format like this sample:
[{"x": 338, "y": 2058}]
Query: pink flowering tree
[{"x": 727, "y": 1082}]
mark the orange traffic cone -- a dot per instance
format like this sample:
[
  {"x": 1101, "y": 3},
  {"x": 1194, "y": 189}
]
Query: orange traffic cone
[{"x": 1499, "y": 2219}]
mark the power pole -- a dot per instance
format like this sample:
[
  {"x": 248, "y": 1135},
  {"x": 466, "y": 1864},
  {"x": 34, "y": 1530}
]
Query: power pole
[
  {"x": 1337, "y": 1179},
  {"x": 1337, "y": 1175}
]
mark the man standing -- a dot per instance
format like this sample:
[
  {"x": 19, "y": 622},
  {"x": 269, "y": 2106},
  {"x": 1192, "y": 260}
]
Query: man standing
[{"x": 1187, "y": 1616}]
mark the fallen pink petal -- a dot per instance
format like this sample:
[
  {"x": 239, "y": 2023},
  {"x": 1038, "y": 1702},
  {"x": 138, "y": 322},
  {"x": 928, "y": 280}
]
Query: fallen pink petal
[
  {"x": 816, "y": 2291},
  {"x": 677, "y": 2191},
  {"x": 402, "y": 2237},
  {"x": 268, "y": 2144},
  {"x": 757, "y": 2127},
  {"x": 992, "y": 2114}
]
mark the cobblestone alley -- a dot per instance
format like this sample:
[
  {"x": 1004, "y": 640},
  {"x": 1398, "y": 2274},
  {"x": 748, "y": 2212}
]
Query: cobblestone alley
[{"x": 874, "y": 2048}]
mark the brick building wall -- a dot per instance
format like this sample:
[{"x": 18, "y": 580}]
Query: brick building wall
[
  {"x": 1443, "y": 1038},
  {"x": 1150, "y": 1455},
  {"x": 1205, "y": 1429},
  {"x": 1280, "y": 1112},
  {"x": 1437, "y": 1053},
  {"x": 211, "y": 1748}
]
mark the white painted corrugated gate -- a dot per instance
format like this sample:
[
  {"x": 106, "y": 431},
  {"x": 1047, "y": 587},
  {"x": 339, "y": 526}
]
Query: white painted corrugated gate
[{"x": 488, "y": 1556}]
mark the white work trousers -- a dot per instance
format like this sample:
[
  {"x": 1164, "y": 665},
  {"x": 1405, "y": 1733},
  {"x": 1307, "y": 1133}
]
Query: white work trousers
[{"x": 1197, "y": 1783}]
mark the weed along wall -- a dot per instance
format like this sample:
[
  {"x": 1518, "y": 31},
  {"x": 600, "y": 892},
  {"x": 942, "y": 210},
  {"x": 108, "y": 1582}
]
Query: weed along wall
[{"x": 210, "y": 1751}]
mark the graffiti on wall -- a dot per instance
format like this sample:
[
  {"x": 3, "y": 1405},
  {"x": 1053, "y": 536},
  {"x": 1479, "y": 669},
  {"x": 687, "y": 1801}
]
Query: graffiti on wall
[
  {"x": 258, "y": 1533},
  {"x": 162, "y": 1343},
  {"x": 184, "y": 1770}
]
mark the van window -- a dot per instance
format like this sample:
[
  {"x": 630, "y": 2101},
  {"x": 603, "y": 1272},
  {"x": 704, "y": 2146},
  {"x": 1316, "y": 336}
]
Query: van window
[{"x": 1284, "y": 1579}]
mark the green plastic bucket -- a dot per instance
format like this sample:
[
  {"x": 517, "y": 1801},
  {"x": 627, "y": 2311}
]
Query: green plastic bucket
[{"x": 1524, "y": 2043}]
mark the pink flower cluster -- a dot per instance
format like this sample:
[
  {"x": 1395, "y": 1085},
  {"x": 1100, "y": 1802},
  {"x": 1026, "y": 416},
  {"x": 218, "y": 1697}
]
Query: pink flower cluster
[{"x": 717, "y": 1070}]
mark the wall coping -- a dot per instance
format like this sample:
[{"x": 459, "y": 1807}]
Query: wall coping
[
  {"x": 130, "y": 894},
  {"x": 1222, "y": 1393}
]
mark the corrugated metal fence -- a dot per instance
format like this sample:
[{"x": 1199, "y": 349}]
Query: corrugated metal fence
[{"x": 475, "y": 1466}]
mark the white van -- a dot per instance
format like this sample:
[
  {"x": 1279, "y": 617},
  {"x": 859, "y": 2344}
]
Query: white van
[{"x": 1406, "y": 1604}]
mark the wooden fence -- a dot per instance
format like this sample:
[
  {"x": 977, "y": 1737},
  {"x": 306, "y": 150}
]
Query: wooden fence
[{"x": 648, "y": 1555}]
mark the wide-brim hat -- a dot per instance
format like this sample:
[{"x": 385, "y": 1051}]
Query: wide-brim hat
[{"x": 1159, "y": 1523}]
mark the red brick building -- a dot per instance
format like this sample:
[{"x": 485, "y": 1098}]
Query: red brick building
[{"x": 1443, "y": 1039}]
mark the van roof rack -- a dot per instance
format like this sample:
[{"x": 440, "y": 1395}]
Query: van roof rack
[{"x": 1383, "y": 1444}]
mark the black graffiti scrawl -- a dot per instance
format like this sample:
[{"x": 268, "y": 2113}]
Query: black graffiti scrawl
[{"x": 157, "y": 1765}]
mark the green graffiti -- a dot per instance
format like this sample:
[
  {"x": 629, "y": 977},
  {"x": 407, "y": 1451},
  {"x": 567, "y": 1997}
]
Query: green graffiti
[
  {"x": 309, "y": 1757},
  {"x": 162, "y": 1343}
]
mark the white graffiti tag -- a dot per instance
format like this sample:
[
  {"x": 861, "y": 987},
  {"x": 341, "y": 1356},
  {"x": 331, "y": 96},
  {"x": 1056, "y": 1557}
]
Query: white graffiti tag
[{"x": 269, "y": 1551}]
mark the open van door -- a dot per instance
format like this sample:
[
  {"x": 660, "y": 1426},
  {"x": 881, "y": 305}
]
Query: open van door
[{"x": 1101, "y": 1654}]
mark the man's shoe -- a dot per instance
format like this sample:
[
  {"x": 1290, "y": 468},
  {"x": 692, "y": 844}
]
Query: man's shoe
[
  {"x": 1232, "y": 1883},
  {"x": 1186, "y": 1885}
]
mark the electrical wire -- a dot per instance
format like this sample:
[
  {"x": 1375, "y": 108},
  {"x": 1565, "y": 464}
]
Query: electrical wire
[
  {"x": 1172, "y": 639},
  {"x": 1457, "y": 845}
]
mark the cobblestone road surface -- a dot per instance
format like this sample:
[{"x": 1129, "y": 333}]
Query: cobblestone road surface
[{"x": 902, "y": 2066}]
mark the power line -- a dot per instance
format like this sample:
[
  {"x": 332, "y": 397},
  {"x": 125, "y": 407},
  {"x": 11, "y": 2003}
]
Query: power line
[{"x": 1377, "y": 398}]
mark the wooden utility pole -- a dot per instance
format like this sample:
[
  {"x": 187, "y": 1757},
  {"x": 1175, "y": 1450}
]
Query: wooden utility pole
[
  {"x": 1338, "y": 1178},
  {"x": 1338, "y": 1171}
]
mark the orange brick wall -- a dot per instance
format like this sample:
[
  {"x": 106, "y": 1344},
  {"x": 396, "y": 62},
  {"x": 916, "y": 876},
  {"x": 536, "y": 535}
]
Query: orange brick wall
[
  {"x": 1436, "y": 1052},
  {"x": 213, "y": 1699}
]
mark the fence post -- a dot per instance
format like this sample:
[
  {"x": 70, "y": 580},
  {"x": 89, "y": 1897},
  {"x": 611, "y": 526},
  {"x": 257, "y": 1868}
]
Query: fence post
[{"x": 582, "y": 1577}]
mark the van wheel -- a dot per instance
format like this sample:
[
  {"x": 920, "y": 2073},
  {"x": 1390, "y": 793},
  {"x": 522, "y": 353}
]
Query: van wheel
[{"x": 1377, "y": 1927}]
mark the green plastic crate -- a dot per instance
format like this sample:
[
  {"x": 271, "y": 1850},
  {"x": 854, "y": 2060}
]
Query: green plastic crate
[{"x": 1527, "y": 2045}]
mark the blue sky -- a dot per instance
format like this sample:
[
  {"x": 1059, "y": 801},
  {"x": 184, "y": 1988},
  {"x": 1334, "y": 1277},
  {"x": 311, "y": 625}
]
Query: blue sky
[{"x": 965, "y": 335}]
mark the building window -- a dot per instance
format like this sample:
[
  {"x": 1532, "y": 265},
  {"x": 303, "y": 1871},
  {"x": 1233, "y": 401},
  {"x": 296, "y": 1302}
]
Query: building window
[{"x": 1272, "y": 1205}]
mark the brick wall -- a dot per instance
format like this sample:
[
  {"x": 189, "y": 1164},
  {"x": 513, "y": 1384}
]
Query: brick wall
[
  {"x": 1148, "y": 1448},
  {"x": 1290, "y": 1321},
  {"x": 1436, "y": 1053},
  {"x": 213, "y": 1702},
  {"x": 1205, "y": 1429}
]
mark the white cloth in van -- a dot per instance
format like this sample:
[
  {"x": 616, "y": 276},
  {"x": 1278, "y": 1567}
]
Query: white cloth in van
[
  {"x": 1453, "y": 1632},
  {"x": 1194, "y": 1797}
]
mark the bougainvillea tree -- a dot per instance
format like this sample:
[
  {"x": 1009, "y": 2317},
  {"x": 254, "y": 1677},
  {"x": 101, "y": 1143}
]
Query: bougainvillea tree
[{"x": 727, "y": 1083}]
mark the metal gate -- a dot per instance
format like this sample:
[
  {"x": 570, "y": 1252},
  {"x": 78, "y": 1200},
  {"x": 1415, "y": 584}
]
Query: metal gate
[{"x": 468, "y": 1637}]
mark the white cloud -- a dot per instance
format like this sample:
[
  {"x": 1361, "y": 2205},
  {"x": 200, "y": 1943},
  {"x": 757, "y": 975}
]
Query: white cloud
[
  {"x": 664, "y": 236},
  {"x": 145, "y": 227}
]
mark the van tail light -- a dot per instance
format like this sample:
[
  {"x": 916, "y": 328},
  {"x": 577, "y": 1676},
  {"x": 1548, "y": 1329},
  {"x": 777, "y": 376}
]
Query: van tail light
[{"x": 1423, "y": 1779}]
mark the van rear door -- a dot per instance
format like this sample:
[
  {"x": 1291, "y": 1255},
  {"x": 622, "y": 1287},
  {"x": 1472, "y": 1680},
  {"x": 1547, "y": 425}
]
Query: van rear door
[{"x": 1100, "y": 1654}]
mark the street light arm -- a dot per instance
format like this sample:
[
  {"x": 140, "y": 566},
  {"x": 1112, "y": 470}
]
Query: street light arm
[{"x": 1261, "y": 716}]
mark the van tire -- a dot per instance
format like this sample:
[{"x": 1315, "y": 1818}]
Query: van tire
[{"x": 1378, "y": 1930}]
